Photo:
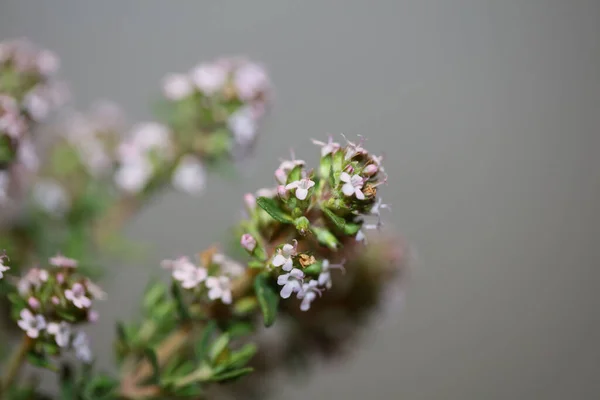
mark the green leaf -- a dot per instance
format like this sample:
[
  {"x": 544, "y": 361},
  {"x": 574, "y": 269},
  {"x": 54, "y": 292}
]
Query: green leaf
[
  {"x": 202, "y": 346},
  {"x": 268, "y": 299},
  {"x": 241, "y": 357},
  {"x": 40, "y": 360},
  {"x": 154, "y": 295},
  {"x": 256, "y": 264},
  {"x": 219, "y": 346},
  {"x": 245, "y": 305},
  {"x": 295, "y": 174},
  {"x": 231, "y": 375},
  {"x": 272, "y": 208},
  {"x": 325, "y": 237},
  {"x": 338, "y": 221},
  {"x": 182, "y": 309}
]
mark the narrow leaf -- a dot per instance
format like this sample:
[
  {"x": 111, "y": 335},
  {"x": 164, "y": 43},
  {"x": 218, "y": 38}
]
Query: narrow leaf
[
  {"x": 230, "y": 375},
  {"x": 268, "y": 299},
  {"x": 272, "y": 208},
  {"x": 202, "y": 346},
  {"x": 182, "y": 309}
]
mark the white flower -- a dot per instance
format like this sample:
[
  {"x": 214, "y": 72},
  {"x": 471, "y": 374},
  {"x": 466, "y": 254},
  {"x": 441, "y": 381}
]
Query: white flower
[
  {"x": 285, "y": 168},
  {"x": 360, "y": 236},
  {"x": 61, "y": 261},
  {"x": 309, "y": 292},
  {"x": 47, "y": 62},
  {"x": 61, "y": 332},
  {"x": 327, "y": 148},
  {"x": 3, "y": 268},
  {"x": 325, "y": 275},
  {"x": 95, "y": 290},
  {"x": 209, "y": 78},
  {"x": 177, "y": 86},
  {"x": 28, "y": 156},
  {"x": 82, "y": 347},
  {"x": 228, "y": 266},
  {"x": 151, "y": 136},
  {"x": 77, "y": 295},
  {"x": 301, "y": 187},
  {"x": 4, "y": 183},
  {"x": 36, "y": 104},
  {"x": 266, "y": 192},
  {"x": 186, "y": 272},
  {"x": 250, "y": 80},
  {"x": 133, "y": 177},
  {"x": 31, "y": 324},
  {"x": 243, "y": 125},
  {"x": 190, "y": 176},
  {"x": 378, "y": 206},
  {"x": 284, "y": 255},
  {"x": 32, "y": 279},
  {"x": 352, "y": 185},
  {"x": 354, "y": 149},
  {"x": 50, "y": 196},
  {"x": 291, "y": 282},
  {"x": 219, "y": 288}
]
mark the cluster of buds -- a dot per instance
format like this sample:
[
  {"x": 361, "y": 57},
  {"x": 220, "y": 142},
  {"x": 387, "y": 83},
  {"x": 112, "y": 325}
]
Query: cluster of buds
[
  {"x": 28, "y": 93},
  {"x": 209, "y": 281},
  {"x": 296, "y": 229},
  {"x": 49, "y": 305}
]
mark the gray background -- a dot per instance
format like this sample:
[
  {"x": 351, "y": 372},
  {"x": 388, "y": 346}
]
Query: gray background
[{"x": 489, "y": 114}]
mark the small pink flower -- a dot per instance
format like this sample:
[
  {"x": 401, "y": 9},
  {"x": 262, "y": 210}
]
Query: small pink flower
[
  {"x": 61, "y": 261},
  {"x": 352, "y": 185},
  {"x": 284, "y": 255},
  {"x": 177, "y": 87},
  {"x": 209, "y": 78},
  {"x": 93, "y": 316},
  {"x": 55, "y": 300},
  {"x": 327, "y": 148},
  {"x": 248, "y": 242},
  {"x": 77, "y": 295},
  {"x": 33, "y": 303}
]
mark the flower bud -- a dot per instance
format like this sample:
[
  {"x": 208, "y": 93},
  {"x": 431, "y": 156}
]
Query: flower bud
[
  {"x": 55, "y": 300},
  {"x": 282, "y": 192},
  {"x": 302, "y": 225},
  {"x": 371, "y": 169},
  {"x": 281, "y": 176},
  {"x": 33, "y": 303},
  {"x": 248, "y": 242},
  {"x": 250, "y": 202},
  {"x": 93, "y": 316}
]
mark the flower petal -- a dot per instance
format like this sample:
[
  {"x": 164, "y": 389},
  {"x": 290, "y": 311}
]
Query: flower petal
[
  {"x": 301, "y": 193},
  {"x": 348, "y": 189}
]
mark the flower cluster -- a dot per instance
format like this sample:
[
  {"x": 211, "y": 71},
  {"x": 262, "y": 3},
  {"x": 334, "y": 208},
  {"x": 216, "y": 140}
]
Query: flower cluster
[
  {"x": 28, "y": 93},
  {"x": 50, "y": 303},
  {"x": 212, "y": 279},
  {"x": 234, "y": 94},
  {"x": 315, "y": 213}
]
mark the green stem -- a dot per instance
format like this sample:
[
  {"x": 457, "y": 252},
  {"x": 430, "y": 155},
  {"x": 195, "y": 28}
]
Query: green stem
[{"x": 15, "y": 363}]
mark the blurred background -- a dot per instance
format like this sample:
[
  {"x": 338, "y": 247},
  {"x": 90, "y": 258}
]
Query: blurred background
[{"x": 488, "y": 113}]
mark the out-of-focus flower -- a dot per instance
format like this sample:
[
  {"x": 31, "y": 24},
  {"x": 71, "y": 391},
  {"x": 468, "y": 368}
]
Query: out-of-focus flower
[
  {"x": 250, "y": 80},
  {"x": 308, "y": 294},
  {"x": 31, "y": 324},
  {"x": 61, "y": 261},
  {"x": 190, "y": 176},
  {"x": 50, "y": 196},
  {"x": 219, "y": 288},
  {"x": 209, "y": 78},
  {"x": 61, "y": 332},
  {"x": 77, "y": 295},
  {"x": 81, "y": 344},
  {"x": 177, "y": 86},
  {"x": 3, "y": 268}
]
